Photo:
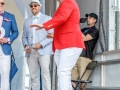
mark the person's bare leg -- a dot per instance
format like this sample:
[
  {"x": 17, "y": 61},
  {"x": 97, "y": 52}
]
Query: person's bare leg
[
  {"x": 82, "y": 84},
  {"x": 74, "y": 85}
]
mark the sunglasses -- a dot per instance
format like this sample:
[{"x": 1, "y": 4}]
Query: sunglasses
[
  {"x": 2, "y": 3},
  {"x": 34, "y": 5}
]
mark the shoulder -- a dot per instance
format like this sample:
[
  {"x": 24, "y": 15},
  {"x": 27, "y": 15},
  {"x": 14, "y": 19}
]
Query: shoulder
[
  {"x": 9, "y": 14},
  {"x": 69, "y": 2},
  {"x": 95, "y": 29},
  {"x": 27, "y": 19},
  {"x": 46, "y": 16},
  {"x": 83, "y": 29}
]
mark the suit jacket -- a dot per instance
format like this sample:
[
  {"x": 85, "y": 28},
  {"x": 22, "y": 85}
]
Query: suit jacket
[
  {"x": 11, "y": 31},
  {"x": 27, "y": 36},
  {"x": 66, "y": 26}
]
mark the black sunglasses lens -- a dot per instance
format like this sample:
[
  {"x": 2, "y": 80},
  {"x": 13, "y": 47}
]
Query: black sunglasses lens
[
  {"x": 31, "y": 6},
  {"x": 35, "y": 5},
  {"x": 2, "y": 3}
]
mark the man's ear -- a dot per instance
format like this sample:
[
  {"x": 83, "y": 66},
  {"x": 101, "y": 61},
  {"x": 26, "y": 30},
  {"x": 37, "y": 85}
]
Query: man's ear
[{"x": 95, "y": 21}]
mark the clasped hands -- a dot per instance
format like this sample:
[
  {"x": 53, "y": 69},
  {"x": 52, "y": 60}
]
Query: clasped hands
[
  {"x": 3, "y": 40},
  {"x": 35, "y": 47}
]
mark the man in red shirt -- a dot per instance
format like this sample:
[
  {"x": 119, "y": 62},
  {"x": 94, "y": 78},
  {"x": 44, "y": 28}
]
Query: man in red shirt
[{"x": 67, "y": 40}]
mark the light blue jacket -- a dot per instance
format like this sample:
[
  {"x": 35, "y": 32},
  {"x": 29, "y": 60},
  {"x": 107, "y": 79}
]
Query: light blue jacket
[{"x": 27, "y": 36}]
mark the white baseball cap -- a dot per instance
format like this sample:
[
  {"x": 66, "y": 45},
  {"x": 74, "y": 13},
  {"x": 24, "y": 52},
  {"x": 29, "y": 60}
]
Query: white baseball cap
[{"x": 37, "y": 1}]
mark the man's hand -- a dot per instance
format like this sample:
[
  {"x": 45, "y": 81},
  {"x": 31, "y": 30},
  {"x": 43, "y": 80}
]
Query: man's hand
[
  {"x": 27, "y": 49},
  {"x": 39, "y": 26},
  {"x": 50, "y": 35},
  {"x": 3, "y": 40},
  {"x": 37, "y": 46}
]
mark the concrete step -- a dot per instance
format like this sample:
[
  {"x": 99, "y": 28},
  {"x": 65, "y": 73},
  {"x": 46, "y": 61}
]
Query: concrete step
[{"x": 104, "y": 88}]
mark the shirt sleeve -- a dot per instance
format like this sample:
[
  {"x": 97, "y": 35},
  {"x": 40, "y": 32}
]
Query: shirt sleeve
[
  {"x": 94, "y": 34},
  {"x": 82, "y": 30}
]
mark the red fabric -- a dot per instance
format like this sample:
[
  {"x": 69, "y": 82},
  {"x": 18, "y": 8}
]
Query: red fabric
[{"x": 66, "y": 26}]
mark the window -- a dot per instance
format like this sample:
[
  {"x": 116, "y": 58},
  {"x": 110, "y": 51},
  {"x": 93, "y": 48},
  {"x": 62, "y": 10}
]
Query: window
[{"x": 117, "y": 23}]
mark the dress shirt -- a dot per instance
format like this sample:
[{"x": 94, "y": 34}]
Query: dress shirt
[
  {"x": 35, "y": 21},
  {"x": 1, "y": 20}
]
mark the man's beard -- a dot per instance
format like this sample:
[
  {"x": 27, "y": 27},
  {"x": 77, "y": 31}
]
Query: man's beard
[{"x": 34, "y": 13}]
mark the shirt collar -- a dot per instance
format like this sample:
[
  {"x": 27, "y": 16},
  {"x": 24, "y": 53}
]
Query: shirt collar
[
  {"x": 92, "y": 27},
  {"x": 38, "y": 16},
  {"x": 2, "y": 12}
]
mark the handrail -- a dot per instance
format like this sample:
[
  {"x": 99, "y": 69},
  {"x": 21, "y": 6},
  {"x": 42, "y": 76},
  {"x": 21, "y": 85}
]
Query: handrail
[
  {"x": 103, "y": 88},
  {"x": 113, "y": 61},
  {"x": 107, "y": 52},
  {"x": 106, "y": 62}
]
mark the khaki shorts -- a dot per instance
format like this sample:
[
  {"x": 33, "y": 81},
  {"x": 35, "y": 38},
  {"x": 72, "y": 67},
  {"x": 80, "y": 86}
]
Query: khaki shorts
[{"x": 79, "y": 68}]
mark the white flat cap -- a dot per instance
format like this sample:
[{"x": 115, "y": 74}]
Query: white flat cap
[{"x": 37, "y": 1}]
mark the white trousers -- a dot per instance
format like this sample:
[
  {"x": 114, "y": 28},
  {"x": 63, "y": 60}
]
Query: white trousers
[
  {"x": 4, "y": 70},
  {"x": 65, "y": 60},
  {"x": 35, "y": 62}
]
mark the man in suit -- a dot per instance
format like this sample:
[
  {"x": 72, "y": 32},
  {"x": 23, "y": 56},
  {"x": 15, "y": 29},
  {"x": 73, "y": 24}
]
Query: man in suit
[
  {"x": 38, "y": 48},
  {"x": 67, "y": 40},
  {"x": 8, "y": 24}
]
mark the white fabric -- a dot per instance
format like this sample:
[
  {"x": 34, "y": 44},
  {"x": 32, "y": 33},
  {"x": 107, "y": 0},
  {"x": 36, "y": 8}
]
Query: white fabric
[
  {"x": 35, "y": 62},
  {"x": 35, "y": 35},
  {"x": 65, "y": 60},
  {"x": 4, "y": 70},
  {"x": 37, "y": 1},
  {"x": 1, "y": 19}
]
